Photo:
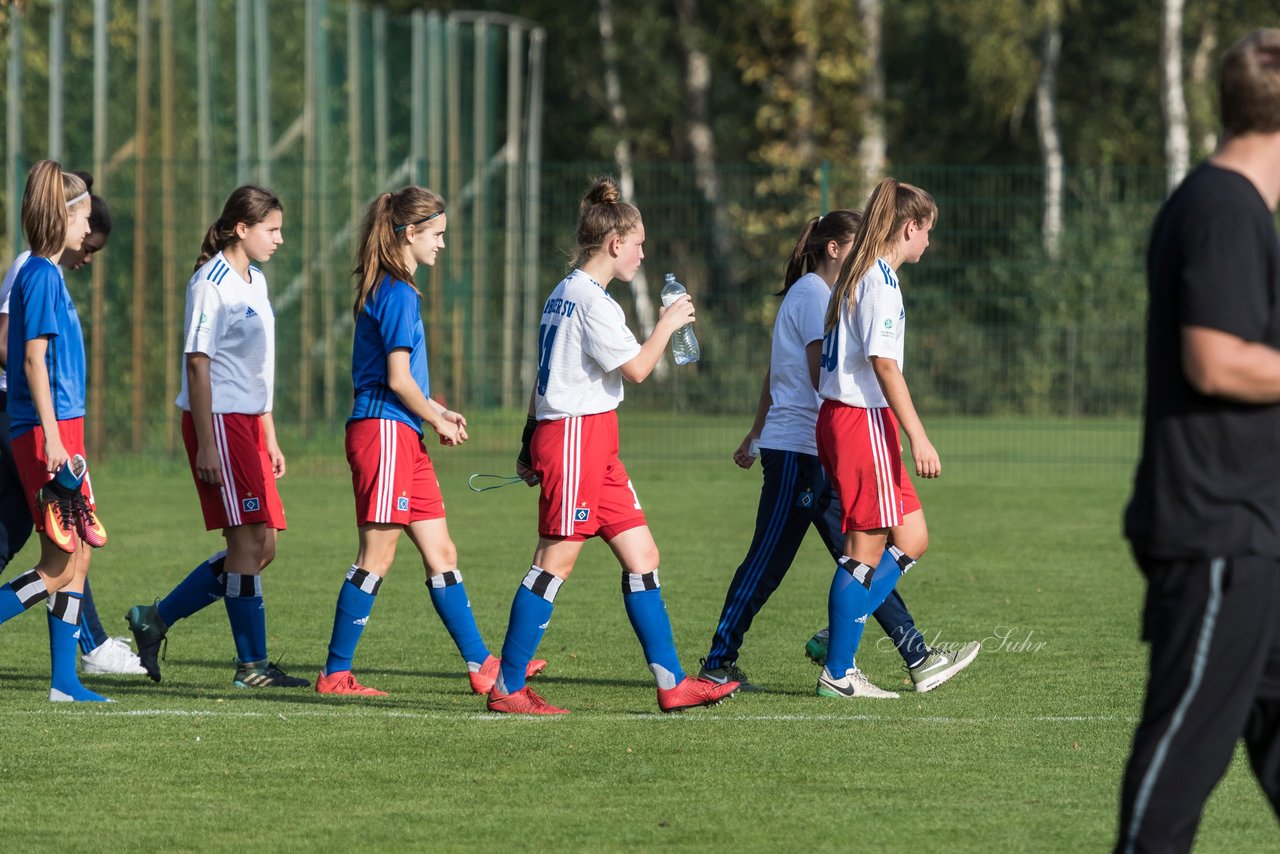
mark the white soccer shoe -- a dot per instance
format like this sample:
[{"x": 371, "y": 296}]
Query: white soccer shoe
[
  {"x": 113, "y": 656},
  {"x": 941, "y": 665},
  {"x": 854, "y": 684}
]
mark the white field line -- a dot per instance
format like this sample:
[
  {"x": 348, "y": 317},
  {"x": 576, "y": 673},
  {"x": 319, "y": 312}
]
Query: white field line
[{"x": 97, "y": 711}]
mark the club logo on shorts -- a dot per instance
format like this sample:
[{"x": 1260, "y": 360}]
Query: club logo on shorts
[
  {"x": 582, "y": 514},
  {"x": 402, "y": 503},
  {"x": 250, "y": 505},
  {"x": 806, "y": 499}
]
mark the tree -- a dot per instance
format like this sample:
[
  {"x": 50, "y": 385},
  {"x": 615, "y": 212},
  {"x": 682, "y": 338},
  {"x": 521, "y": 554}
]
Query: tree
[{"x": 1177, "y": 147}]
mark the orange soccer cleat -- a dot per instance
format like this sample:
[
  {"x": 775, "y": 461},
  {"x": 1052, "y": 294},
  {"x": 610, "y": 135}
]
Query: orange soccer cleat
[
  {"x": 522, "y": 702},
  {"x": 482, "y": 680},
  {"x": 692, "y": 692},
  {"x": 344, "y": 682}
]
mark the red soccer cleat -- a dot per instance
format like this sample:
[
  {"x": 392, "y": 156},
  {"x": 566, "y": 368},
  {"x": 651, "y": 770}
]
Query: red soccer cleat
[
  {"x": 482, "y": 680},
  {"x": 523, "y": 702},
  {"x": 60, "y": 514},
  {"x": 694, "y": 692},
  {"x": 343, "y": 682}
]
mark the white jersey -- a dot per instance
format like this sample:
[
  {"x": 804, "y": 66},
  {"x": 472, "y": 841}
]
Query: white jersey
[
  {"x": 5, "y": 290},
  {"x": 793, "y": 415},
  {"x": 231, "y": 321},
  {"x": 582, "y": 342},
  {"x": 876, "y": 328}
]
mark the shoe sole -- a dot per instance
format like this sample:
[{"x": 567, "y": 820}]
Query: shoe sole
[
  {"x": 106, "y": 671},
  {"x": 960, "y": 664}
]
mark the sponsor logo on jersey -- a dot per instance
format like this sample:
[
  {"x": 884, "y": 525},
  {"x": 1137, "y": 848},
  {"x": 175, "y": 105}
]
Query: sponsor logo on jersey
[
  {"x": 562, "y": 307},
  {"x": 204, "y": 318},
  {"x": 582, "y": 514},
  {"x": 888, "y": 323},
  {"x": 249, "y": 312},
  {"x": 250, "y": 505},
  {"x": 402, "y": 503}
]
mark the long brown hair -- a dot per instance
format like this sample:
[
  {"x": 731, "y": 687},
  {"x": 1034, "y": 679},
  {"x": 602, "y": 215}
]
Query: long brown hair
[
  {"x": 250, "y": 205},
  {"x": 601, "y": 213},
  {"x": 380, "y": 250},
  {"x": 44, "y": 207},
  {"x": 838, "y": 225},
  {"x": 891, "y": 206}
]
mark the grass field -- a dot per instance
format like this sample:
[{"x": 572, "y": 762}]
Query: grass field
[{"x": 1022, "y": 752}]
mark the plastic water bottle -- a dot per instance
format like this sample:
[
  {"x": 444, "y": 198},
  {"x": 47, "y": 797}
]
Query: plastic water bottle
[{"x": 684, "y": 345}]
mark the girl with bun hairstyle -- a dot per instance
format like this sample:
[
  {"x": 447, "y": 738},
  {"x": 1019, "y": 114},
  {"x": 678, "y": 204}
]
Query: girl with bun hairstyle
[{"x": 570, "y": 449}]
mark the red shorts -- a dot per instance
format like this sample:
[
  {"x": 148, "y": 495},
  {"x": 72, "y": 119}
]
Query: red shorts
[
  {"x": 391, "y": 473},
  {"x": 28, "y": 454},
  {"x": 585, "y": 488},
  {"x": 248, "y": 493},
  {"x": 862, "y": 455}
]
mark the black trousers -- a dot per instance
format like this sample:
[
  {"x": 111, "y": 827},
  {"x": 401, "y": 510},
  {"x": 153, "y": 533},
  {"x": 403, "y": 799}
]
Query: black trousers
[{"x": 1213, "y": 627}]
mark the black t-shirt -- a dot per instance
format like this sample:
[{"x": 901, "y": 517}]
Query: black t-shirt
[{"x": 1208, "y": 483}]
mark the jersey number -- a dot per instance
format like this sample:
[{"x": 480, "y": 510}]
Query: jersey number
[
  {"x": 546, "y": 337},
  {"x": 829, "y": 343}
]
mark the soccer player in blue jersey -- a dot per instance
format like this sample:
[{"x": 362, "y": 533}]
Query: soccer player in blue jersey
[
  {"x": 100, "y": 653},
  {"x": 796, "y": 492},
  {"x": 391, "y": 472},
  {"x": 228, "y": 386},
  {"x": 46, "y": 420}
]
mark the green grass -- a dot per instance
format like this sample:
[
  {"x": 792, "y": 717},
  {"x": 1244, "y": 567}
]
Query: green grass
[{"x": 1022, "y": 752}]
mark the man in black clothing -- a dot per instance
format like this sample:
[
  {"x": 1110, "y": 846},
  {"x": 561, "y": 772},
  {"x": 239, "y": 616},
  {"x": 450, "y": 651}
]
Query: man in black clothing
[{"x": 1204, "y": 520}]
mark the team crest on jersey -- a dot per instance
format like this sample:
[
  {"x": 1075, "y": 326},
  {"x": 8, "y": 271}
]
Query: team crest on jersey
[
  {"x": 582, "y": 514},
  {"x": 402, "y": 503},
  {"x": 888, "y": 324},
  {"x": 250, "y": 504}
]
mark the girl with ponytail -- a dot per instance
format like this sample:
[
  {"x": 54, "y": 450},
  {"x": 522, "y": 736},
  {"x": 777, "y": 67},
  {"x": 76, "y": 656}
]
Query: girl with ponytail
[
  {"x": 46, "y": 420},
  {"x": 228, "y": 387},
  {"x": 570, "y": 447},
  {"x": 391, "y": 472},
  {"x": 865, "y": 399}
]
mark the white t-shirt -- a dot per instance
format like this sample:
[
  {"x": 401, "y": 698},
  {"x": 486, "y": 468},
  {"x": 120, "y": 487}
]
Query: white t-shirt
[
  {"x": 792, "y": 420},
  {"x": 6, "y": 289},
  {"x": 876, "y": 328},
  {"x": 582, "y": 341},
  {"x": 231, "y": 321}
]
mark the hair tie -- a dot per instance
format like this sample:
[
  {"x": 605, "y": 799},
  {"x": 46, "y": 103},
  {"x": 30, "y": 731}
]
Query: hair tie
[{"x": 78, "y": 199}]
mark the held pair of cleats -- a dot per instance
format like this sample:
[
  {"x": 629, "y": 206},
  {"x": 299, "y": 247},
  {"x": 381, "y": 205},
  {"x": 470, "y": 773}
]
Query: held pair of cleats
[
  {"x": 65, "y": 512},
  {"x": 938, "y": 666},
  {"x": 687, "y": 694},
  {"x": 729, "y": 672}
]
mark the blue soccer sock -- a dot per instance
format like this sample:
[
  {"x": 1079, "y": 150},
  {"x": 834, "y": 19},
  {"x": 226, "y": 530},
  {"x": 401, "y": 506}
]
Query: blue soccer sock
[
  {"x": 64, "y": 632},
  {"x": 203, "y": 586},
  {"x": 846, "y": 601},
  {"x": 887, "y": 573},
  {"x": 355, "y": 604},
  {"x": 92, "y": 635},
  {"x": 247, "y": 616},
  {"x": 530, "y": 614},
  {"x": 450, "y": 600},
  {"x": 20, "y": 594},
  {"x": 642, "y": 596}
]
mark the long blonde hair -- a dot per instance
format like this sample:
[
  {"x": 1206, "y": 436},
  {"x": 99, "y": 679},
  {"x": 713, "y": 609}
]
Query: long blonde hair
[
  {"x": 601, "y": 213},
  {"x": 891, "y": 206},
  {"x": 45, "y": 213},
  {"x": 380, "y": 250}
]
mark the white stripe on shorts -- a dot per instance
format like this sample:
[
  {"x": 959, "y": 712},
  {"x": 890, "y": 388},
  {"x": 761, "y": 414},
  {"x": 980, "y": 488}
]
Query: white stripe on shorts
[
  {"x": 230, "y": 502},
  {"x": 571, "y": 466},
  {"x": 385, "y": 487},
  {"x": 885, "y": 492}
]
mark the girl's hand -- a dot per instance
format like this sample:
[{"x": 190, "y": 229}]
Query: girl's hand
[
  {"x": 208, "y": 468},
  {"x": 450, "y": 432},
  {"x": 55, "y": 455},
  {"x": 460, "y": 423},
  {"x": 927, "y": 462},
  {"x": 276, "y": 456},
  {"x": 678, "y": 313},
  {"x": 746, "y": 454}
]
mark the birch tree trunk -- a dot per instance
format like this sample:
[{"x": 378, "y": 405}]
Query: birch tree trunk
[
  {"x": 1047, "y": 131},
  {"x": 871, "y": 150},
  {"x": 1177, "y": 146},
  {"x": 622, "y": 154},
  {"x": 722, "y": 292}
]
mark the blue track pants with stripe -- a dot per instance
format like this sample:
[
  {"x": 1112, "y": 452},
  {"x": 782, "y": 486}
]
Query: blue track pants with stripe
[{"x": 795, "y": 495}]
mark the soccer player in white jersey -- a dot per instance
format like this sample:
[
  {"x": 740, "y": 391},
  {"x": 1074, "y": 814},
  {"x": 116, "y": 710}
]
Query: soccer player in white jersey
[
  {"x": 865, "y": 398},
  {"x": 392, "y": 475},
  {"x": 227, "y": 389},
  {"x": 570, "y": 447}
]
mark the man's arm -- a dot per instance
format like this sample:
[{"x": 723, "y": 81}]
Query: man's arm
[{"x": 1220, "y": 364}]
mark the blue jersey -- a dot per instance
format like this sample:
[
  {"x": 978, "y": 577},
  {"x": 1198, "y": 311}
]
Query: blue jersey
[
  {"x": 390, "y": 320},
  {"x": 40, "y": 305}
]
